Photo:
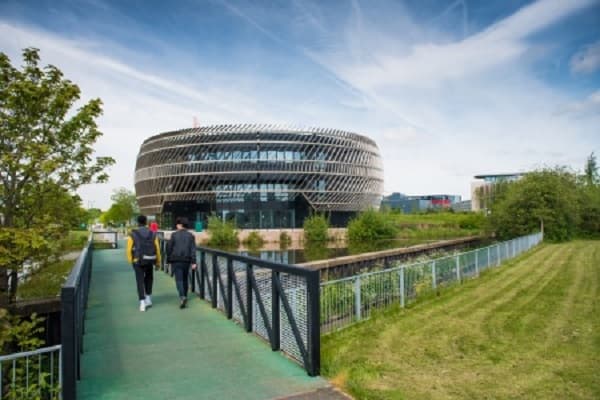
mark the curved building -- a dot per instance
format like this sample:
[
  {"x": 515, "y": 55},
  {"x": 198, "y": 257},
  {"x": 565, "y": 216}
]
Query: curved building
[{"x": 263, "y": 176}]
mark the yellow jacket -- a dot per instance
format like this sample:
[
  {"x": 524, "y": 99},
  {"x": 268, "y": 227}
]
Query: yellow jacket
[{"x": 129, "y": 250}]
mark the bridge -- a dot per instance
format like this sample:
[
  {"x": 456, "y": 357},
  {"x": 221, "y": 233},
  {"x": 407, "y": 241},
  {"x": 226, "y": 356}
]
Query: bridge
[{"x": 111, "y": 350}]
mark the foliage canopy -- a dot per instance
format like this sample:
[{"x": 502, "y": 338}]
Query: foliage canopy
[
  {"x": 46, "y": 153},
  {"x": 315, "y": 228}
]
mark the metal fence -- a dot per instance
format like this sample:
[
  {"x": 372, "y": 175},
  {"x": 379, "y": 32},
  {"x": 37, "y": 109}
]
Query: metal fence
[
  {"x": 349, "y": 300},
  {"x": 106, "y": 239},
  {"x": 31, "y": 374},
  {"x": 74, "y": 295},
  {"x": 278, "y": 302}
]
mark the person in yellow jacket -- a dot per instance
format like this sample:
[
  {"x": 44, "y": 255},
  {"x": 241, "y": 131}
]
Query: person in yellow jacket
[{"x": 143, "y": 253}]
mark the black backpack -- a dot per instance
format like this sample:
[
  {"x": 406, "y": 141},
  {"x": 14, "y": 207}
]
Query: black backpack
[{"x": 144, "y": 250}]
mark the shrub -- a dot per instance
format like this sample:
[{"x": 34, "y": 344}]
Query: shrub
[
  {"x": 254, "y": 240},
  {"x": 284, "y": 239},
  {"x": 371, "y": 226},
  {"x": 315, "y": 228},
  {"x": 222, "y": 233}
]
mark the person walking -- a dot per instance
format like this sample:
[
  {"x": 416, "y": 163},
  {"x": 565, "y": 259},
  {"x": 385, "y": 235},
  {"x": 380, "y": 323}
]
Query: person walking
[
  {"x": 143, "y": 253},
  {"x": 181, "y": 254}
]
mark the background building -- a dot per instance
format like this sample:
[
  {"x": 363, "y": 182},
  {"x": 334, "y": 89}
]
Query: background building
[
  {"x": 411, "y": 204},
  {"x": 261, "y": 176},
  {"x": 462, "y": 206},
  {"x": 482, "y": 190}
]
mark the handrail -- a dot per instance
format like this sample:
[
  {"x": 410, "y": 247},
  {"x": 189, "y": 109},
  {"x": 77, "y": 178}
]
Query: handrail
[
  {"x": 278, "y": 302},
  {"x": 74, "y": 295}
]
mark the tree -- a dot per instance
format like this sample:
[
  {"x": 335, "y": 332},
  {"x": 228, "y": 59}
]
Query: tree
[
  {"x": 591, "y": 176},
  {"x": 44, "y": 145},
  {"x": 590, "y": 199},
  {"x": 123, "y": 209},
  {"x": 371, "y": 226},
  {"x": 316, "y": 229},
  {"x": 549, "y": 196}
]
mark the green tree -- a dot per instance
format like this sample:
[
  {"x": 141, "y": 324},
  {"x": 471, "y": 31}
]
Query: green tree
[
  {"x": 315, "y": 228},
  {"x": 548, "y": 195},
  {"x": 123, "y": 209},
  {"x": 92, "y": 215},
  {"x": 589, "y": 196},
  {"x": 44, "y": 144},
  {"x": 591, "y": 176},
  {"x": 371, "y": 226},
  {"x": 222, "y": 233}
]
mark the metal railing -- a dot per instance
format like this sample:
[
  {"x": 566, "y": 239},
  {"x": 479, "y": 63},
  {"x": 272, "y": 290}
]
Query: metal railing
[
  {"x": 74, "y": 295},
  {"x": 278, "y": 302},
  {"x": 31, "y": 374},
  {"x": 349, "y": 300},
  {"x": 109, "y": 238}
]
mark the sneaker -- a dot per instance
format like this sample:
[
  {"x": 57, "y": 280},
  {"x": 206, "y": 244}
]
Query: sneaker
[
  {"x": 183, "y": 302},
  {"x": 142, "y": 305},
  {"x": 148, "y": 301}
]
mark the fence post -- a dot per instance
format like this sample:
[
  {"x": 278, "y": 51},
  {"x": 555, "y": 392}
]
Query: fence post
[
  {"x": 314, "y": 323},
  {"x": 477, "y": 262},
  {"x": 401, "y": 273},
  {"x": 68, "y": 341},
  {"x": 249, "y": 305},
  {"x": 457, "y": 268},
  {"x": 433, "y": 275},
  {"x": 202, "y": 274},
  {"x": 357, "y": 299},
  {"x": 488, "y": 264},
  {"x": 229, "y": 303},
  {"x": 275, "y": 325},
  {"x": 215, "y": 271}
]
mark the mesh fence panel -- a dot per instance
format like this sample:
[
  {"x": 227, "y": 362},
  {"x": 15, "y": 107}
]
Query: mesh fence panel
[
  {"x": 467, "y": 264},
  {"x": 263, "y": 284},
  {"x": 221, "y": 282},
  {"x": 348, "y": 300},
  {"x": 239, "y": 304},
  {"x": 208, "y": 279},
  {"x": 337, "y": 305},
  {"x": 294, "y": 287}
]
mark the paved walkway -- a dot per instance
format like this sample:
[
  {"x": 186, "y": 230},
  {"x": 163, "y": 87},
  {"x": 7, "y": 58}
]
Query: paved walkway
[{"x": 168, "y": 353}]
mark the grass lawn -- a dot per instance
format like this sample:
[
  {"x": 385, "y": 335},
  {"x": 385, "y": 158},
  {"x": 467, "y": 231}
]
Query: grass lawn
[
  {"x": 46, "y": 282},
  {"x": 527, "y": 330}
]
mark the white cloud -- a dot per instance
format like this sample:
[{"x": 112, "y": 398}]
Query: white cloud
[
  {"x": 430, "y": 64},
  {"x": 586, "y": 60},
  {"x": 137, "y": 104},
  {"x": 440, "y": 111},
  {"x": 589, "y": 105}
]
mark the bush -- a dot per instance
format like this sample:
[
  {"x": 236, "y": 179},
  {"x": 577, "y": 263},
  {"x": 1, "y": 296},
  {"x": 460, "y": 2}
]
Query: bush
[
  {"x": 371, "y": 226},
  {"x": 548, "y": 195},
  {"x": 315, "y": 228},
  {"x": 222, "y": 234},
  {"x": 254, "y": 240},
  {"x": 284, "y": 239}
]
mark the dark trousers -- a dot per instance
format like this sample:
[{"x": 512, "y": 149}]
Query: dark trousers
[
  {"x": 181, "y": 272},
  {"x": 144, "y": 276}
]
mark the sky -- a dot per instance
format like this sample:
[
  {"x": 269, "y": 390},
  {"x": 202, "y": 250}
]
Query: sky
[{"x": 447, "y": 89}]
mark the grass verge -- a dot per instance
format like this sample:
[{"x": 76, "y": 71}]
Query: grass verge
[
  {"x": 530, "y": 329},
  {"x": 46, "y": 282}
]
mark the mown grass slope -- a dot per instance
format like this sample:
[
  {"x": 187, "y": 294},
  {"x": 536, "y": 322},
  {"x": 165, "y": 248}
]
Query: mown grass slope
[{"x": 527, "y": 330}]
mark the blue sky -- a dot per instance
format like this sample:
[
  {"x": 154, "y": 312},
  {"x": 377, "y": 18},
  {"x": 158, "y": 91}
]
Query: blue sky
[{"x": 448, "y": 89}]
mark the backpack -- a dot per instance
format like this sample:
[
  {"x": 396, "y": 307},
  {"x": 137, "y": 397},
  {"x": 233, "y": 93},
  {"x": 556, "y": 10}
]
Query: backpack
[{"x": 144, "y": 250}]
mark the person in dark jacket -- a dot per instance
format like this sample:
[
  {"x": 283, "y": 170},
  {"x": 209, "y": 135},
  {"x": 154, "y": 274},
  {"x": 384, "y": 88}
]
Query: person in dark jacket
[
  {"x": 143, "y": 270},
  {"x": 181, "y": 254}
]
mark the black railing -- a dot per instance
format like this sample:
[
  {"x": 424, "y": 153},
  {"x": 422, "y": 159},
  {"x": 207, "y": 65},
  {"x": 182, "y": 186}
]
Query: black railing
[
  {"x": 109, "y": 238},
  {"x": 278, "y": 302},
  {"x": 74, "y": 295}
]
